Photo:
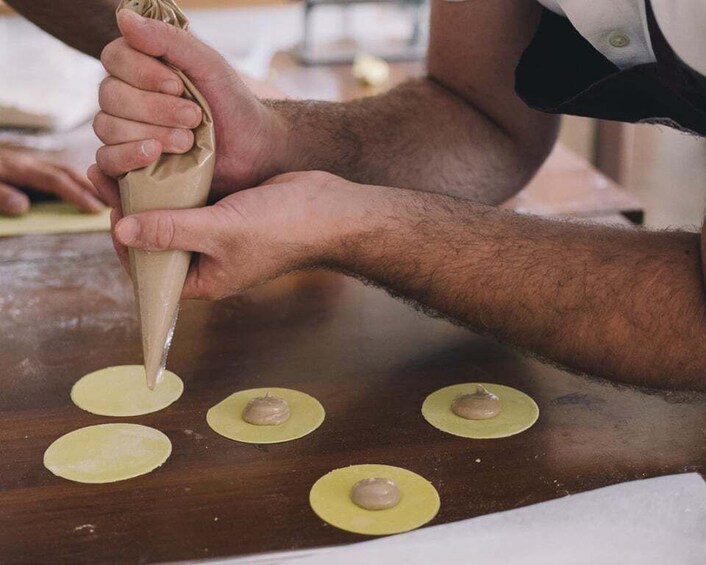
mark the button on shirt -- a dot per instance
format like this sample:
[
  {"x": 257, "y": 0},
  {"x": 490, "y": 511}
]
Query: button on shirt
[
  {"x": 615, "y": 28},
  {"x": 625, "y": 60}
]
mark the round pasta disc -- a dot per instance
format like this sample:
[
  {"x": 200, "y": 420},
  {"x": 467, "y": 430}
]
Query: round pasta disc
[
  {"x": 518, "y": 412},
  {"x": 330, "y": 499},
  {"x": 306, "y": 414},
  {"x": 122, "y": 391},
  {"x": 107, "y": 453}
]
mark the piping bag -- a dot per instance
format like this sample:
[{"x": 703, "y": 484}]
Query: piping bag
[{"x": 171, "y": 182}]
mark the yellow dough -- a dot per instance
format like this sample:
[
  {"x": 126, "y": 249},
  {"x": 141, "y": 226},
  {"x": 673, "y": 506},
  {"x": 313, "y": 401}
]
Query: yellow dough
[
  {"x": 122, "y": 391},
  {"x": 518, "y": 412},
  {"x": 306, "y": 414},
  {"x": 107, "y": 453},
  {"x": 330, "y": 498},
  {"x": 54, "y": 217}
]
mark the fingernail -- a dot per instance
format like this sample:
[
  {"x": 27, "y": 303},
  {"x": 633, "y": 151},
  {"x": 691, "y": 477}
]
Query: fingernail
[
  {"x": 149, "y": 148},
  {"x": 189, "y": 117},
  {"x": 127, "y": 230},
  {"x": 180, "y": 139},
  {"x": 170, "y": 87}
]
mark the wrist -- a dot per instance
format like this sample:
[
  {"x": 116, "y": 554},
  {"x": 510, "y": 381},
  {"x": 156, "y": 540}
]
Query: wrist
[
  {"x": 280, "y": 156},
  {"x": 262, "y": 155},
  {"x": 363, "y": 217}
]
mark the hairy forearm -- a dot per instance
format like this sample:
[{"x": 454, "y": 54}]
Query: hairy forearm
[
  {"x": 623, "y": 304},
  {"x": 87, "y": 25},
  {"x": 419, "y": 135}
]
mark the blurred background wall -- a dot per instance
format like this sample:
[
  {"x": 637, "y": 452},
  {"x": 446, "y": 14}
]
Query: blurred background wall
[{"x": 665, "y": 168}]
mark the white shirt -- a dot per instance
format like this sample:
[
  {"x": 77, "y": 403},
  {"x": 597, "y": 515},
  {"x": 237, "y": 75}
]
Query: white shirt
[{"x": 618, "y": 28}]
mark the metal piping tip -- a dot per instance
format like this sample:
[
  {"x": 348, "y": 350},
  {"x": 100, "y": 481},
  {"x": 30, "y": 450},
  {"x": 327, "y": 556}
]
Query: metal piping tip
[{"x": 154, "y": 377}]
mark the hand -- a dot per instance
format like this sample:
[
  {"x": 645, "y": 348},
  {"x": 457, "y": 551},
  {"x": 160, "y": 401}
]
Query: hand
[
  {"x": 22, "y": 169},
  {"x": 291, "y": 222},
  {"x": 144, "y": 115}
]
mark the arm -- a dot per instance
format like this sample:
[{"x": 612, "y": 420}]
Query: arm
[
  {"x": 462, "y": 130},
  {"x": 87, "y": 25},
  {"x": 624, "y": 304}
]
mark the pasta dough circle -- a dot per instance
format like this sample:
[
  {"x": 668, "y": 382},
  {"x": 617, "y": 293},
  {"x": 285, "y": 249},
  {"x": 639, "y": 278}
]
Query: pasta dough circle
[
  {"x": 331, "y": 501},
  {"x": 306, "y": 414},
  {"x": 122, "y": 391},
  {"x": 107, "y": 453},
  {"x": 519, "y": 412}
]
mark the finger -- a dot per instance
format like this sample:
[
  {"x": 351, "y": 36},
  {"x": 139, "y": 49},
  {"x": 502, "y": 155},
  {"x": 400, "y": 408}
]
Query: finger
[
  {"x": 80, "y": 178},
  {"x": 116, "y": 160},
  {"x": 120, "y": 249},
  {"x": 112, "y": 131},
  {"x": 193, "y": 285},
  {"x": 52, "y": 177},
  {"x": 106, "y": 187},
  {"x": 175, "y": 46},
  {"x": 118, "y": 98},
  {"x": 12, "y": 201},
  {"x": 140, "y": 70},
  {"x": 203, "y": 283},
  {"x": 281, "y": 178},
  {"x": 54, "y": 180},
  {"x": 161, "y": 230}
]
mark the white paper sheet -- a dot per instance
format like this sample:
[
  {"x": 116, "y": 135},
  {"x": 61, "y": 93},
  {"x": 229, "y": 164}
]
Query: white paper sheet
[
  {"x": 659, "y": 521},
  {"x": 45, "y": 84}
]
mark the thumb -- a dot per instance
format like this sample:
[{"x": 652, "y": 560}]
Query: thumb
[
  {"x": 162, "y": 230},
  {"x": 175, "y": 46}
]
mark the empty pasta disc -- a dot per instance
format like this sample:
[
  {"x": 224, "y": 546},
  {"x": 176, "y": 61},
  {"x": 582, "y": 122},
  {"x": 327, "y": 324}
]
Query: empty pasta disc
[
  {"x": 107, "y": 453},
  {"x": 122, "y": 391}
]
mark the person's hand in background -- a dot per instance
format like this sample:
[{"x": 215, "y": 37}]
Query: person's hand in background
[
  {"x": 143, "y": 113},
  {"x": 21, "y": 169}
]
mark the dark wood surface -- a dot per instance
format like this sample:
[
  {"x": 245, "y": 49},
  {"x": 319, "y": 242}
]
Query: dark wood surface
[{"x": 67, "y": 309}]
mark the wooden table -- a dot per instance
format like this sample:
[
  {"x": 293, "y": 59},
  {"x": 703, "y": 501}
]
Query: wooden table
[{"x": 66, "y": 309}]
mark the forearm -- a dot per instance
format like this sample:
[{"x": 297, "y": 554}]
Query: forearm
[
  {"x": 419, "y": 135},
  {"x": 87, "y": 25},
  {"x": 624, "y": 304}
]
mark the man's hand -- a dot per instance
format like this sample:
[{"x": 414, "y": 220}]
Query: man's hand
[
  {"x": 22, "y": 169},
  {"x": 290, "y": 222},
  {"x": 143, "y": 113}
]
